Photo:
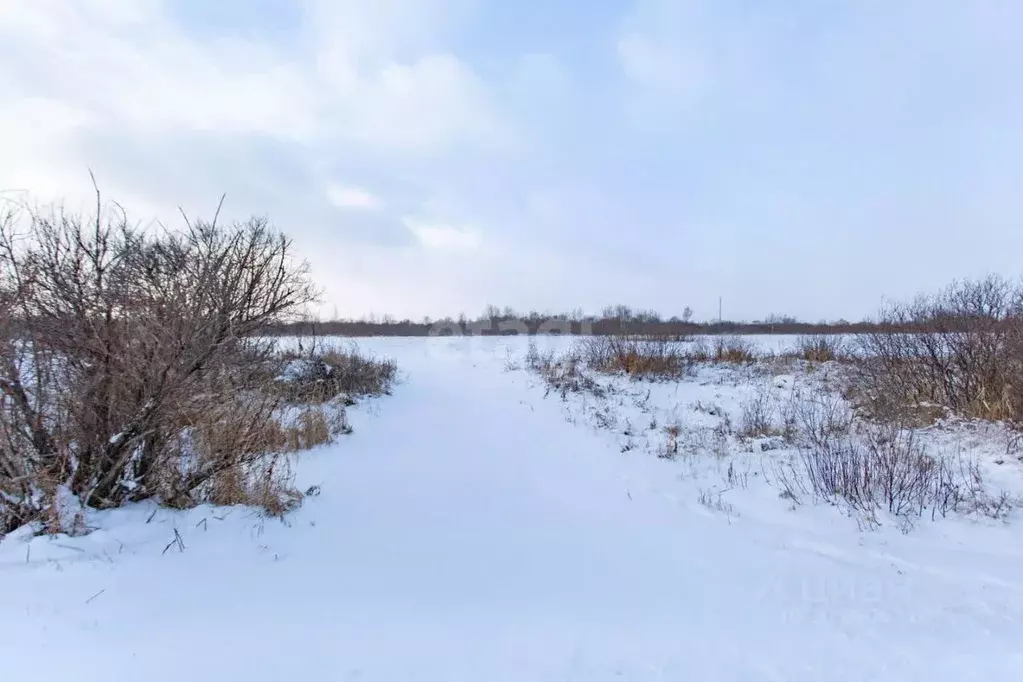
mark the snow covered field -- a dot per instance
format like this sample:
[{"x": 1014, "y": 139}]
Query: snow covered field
[{"x": 472, "y": 529}]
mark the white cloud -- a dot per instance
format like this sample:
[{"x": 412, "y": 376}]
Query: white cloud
[
  {"x": 444, "y": 237},
  {"x": 354, "y": 198},
  {"x": 131, "y": 69},
  {"x": 665, "y": 51},
  {"x": 705, "y": 113},
  {"x": 429, "y": 105},
  {"x": 662, "y": 66},
  {"x": 371, "y": 84}
]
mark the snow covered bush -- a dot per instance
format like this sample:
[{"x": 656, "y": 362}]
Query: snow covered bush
[
  {"x": 343, "y": 374},
  {"x": 563, "y": 374},
  {"x": 886, "y": 468},
  {"x": 128, "y": 366}
]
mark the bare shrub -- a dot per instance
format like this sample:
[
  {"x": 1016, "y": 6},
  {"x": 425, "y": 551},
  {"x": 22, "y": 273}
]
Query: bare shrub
[
  {"x": 638, "y": 356},
  {"x": 563, "y": 374},
  {"x": 820, "y": 347},
  {"x": 116, "y": 339},
  {"x": 960, "y": 349},
  {"x": 886, "y": 468},
  {"x": 815, "y": 416},
  {"x": 758, "y": 416},
  {"x": 730, "y": 349},
  {"x": 700, "y": 352}
]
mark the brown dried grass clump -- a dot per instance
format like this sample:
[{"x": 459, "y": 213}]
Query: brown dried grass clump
[
  {"x": 728, "y": 349},
  {"x": 638, "y": 356},
  {"x": 317, "y": 377},
  {"x": 821, "y": 348}
]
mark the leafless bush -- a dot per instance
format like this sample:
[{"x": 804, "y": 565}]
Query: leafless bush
[
  {"x": 821, "y": 347},
  {"x": 815, "y": 417},
  {"x": 885, "y": 467},
  {"x": 118, "y": 345},
  {"x": 724, "y": 349},
  {"x": 563, "y": 374},
  {"x": 638, "y": 356},
  {"x": 758, "y": 416},
  {"x": 960, "y": 349},
  {"x": 540, "y": 361}
]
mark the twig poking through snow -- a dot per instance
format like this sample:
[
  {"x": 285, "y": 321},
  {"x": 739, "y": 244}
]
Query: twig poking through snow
[
  {"x": 94, "y": 596},
  {"x": 77, "y": 549},
  {"x": 176, "y": 541}
]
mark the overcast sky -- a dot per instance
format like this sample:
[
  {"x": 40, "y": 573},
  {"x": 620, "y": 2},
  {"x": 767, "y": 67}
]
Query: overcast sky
[{"x": 432, "y": 156}]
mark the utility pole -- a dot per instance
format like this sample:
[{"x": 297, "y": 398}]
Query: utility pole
[{"x": 720, "y": 319}]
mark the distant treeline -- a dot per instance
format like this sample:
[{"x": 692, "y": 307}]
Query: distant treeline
[{"x": 615, "y": 320}]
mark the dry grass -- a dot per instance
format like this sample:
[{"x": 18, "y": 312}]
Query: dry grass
[
  {"x": 661, "y": 358},
  {"x": 725, "y": 349},
  {"x": 759, "y": 416},
  {"x": 238, "y": 455},
  {"x": 266, "y": 480},
  {"x": 357, "y": 374},
  {"x": 348, "y": 374},
  {"x": 268, "y": 487},
  {"x": 563, "y": 374},
  {"x": 821, "y": 348},
  {"x": 669, "y": 450},
  {"x": 639, "y": 357}
]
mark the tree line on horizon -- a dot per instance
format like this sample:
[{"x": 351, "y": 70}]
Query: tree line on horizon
[{"x": 617, "y": 319}]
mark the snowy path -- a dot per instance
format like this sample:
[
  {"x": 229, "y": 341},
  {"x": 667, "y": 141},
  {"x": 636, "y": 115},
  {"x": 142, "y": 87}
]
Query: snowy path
[{"x": 467, "y": 532}]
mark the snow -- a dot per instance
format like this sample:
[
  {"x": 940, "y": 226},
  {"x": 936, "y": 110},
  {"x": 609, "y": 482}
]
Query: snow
[
  {"x": 300, "y": 368},
  {"x": 472, "y": 530}
]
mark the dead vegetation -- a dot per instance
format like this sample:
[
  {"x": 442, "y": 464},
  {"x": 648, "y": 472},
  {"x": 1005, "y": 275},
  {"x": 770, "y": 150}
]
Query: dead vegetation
[
  {"x": 563, "y": 374},
  {"x": 343, "y": 374},
  {"x": 732, "y": 349},
  {"x": 963, "y": 353},
  {"x": 759, "y": 416},
  {"x": 885, "y": 467},
  {"x": 645, "y": 357},
  {"x": 130, "y": 369},
  {"x": 867, "y": 466},
  {"x": 819, "y": 348},
  {"x": 807, "y": 434},
  {"x": 642, "y": 357}
]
